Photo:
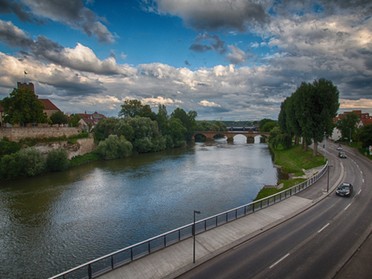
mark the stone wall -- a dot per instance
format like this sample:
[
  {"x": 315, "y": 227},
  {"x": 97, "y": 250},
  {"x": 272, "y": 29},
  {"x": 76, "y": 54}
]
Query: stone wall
[
  {"x": 82, "y": 147},
  {"x": 16, "y": 134}
]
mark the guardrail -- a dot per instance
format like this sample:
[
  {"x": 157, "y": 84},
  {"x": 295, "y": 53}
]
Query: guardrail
[{"x": 126, "y": 255}]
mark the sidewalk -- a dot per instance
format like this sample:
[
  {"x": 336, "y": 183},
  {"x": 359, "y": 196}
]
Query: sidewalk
[{"x": 176, "y": 259}]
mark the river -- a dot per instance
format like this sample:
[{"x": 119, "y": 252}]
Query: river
[{"x": 52, "y": 223}]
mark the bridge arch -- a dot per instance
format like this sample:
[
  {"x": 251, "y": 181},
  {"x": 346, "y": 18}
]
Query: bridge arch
[{"x": 229, "y": 135}]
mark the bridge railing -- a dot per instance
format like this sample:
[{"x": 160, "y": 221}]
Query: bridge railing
[{"x": 126, "y": 255}]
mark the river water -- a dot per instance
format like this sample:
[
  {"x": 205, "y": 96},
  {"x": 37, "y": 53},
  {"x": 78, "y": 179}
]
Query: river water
[{"x": 55, "y": 222}]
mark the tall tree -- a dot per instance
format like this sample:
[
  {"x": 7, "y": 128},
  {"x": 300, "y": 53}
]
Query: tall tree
[
  {"x": 133, "y": 108},
  {"x": 187, "y": 120},
  {"x": 324, "y": 103},
  {"x": 23, "y": 107},
  {"x": 347, "y": 125}
]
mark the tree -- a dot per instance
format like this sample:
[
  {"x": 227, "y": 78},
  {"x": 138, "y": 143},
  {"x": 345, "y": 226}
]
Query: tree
[
  {"x": 347, "y": 126},
  {"x": 23, "y": 107},
  {"x": 133, "y": 108},
  {"x": 365, "y": 136},
  {"x": 324, "y": 103},
  {"x": 59, "y": 118},
  {"x": 187, "y": 120},
  {"x": 73, "y": 120},
  {"x": 114, "y": 147},
  {"x": 309, "y": 112}
]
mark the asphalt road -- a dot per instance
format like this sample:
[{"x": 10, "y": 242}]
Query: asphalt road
[{"x": 324, "y": 241}]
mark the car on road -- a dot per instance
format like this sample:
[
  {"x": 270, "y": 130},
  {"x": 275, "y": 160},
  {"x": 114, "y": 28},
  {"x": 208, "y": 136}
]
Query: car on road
[
  {"x": 339, "y": 148},
  {"x": 344, "y": 190},
  {"x": 342, "y": 154}
]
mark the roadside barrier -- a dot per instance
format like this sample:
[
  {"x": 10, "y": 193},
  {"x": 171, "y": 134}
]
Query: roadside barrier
[{"x": 131, "y": 253}]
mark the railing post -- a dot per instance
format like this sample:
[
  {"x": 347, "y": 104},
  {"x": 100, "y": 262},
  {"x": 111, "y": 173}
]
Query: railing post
[{"x": 89, "y": 271}]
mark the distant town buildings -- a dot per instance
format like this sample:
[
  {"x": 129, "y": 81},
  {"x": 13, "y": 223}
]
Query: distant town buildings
[{"x": 89, "y": 120}]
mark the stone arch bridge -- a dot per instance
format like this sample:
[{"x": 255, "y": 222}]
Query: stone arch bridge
[{"x": 229, "y": 135}]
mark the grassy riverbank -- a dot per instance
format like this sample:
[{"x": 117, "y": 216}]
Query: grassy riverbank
[{"x": 292, "y": 162}]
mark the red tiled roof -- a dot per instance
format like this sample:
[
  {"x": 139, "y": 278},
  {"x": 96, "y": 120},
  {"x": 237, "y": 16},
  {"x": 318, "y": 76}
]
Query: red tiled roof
[{"x": 48, "y": 105}]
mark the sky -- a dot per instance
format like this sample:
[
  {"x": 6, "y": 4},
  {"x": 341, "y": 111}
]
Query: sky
[{"x": 224, "y": 59}]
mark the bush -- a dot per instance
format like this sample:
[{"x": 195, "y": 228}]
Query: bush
[
  {"x": 57, "y": 160},
  {"x": 9, "y": 166},
  {"x": 114, "y": 147},
  {"x": 31, "y": 162},
  {"x": 8, "y": 147}
]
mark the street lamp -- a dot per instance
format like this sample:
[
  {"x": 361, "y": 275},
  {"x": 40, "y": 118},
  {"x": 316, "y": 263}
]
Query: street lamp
[
  {"x": 328, "y": 177},
  {"x": 193, "y": 234}
]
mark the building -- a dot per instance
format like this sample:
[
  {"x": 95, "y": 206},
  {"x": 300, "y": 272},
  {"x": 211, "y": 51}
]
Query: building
[
  {"x": 49, "y": 107},
  {"x": 89, "y": 120}
]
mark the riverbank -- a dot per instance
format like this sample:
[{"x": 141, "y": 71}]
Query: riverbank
[{"x": 295, "y": 164}]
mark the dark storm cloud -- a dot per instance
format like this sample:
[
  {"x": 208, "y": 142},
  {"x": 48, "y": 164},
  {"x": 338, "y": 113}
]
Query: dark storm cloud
[
  {"x": 69, "y": 12},
  {"x": 10, "y": 6},
  {"x": 213, "y": 15},
  {"x": 13, "y": 36}
]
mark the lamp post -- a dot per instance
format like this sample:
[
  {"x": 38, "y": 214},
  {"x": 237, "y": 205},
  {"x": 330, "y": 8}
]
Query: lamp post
[
  {"x": 328, "y": 177},
  {"x": 193, "y": 234}
]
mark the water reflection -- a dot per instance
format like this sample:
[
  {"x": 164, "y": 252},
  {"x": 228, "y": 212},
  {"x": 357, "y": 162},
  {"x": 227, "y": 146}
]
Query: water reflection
[{"x": 65, "y": 219}]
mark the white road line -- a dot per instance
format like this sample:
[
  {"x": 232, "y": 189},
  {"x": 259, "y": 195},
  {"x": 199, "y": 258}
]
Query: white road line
[
  {"x": 347, "y": 206},
  {"x": 326, "y": 225},
  {"x": 359, "y": 191},
  {"x": 278, "y": 261}
]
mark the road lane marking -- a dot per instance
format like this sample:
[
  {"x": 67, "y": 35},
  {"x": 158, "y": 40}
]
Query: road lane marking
[
  {"x": 278, "y": 261},
  {"x": 326, "y": 225},
  {"x": 359, "y": 191},
  {"x": 347, "y": 206}
]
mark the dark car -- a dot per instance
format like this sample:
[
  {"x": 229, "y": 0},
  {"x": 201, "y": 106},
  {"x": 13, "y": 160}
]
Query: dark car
[
  {"x": 344, "y": 190},
  {"x": 342, "y": 155}
]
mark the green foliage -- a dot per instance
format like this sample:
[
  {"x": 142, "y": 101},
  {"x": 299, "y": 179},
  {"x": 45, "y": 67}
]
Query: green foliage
[
  {"x": 187, "y": 120},
  {"x": 309, "y": 111},
  {"x": 9, "y": 166},
  {"x": 8, "y": 147},
  {"x": 84, "y": 159},
  {"x": 294, "y": 160},
  {"x": 73, "y": 120},
  {"x": 210, "y": 126},
  {"x": 23, "y": 107},
  {"x": 59, "y": 118},
  {"x": 32, "y": 162},
  {"x": 114, "y": 147},
  {"x": 365, "y": 136},
  {"x": 57, "y": 160},
  {"x": 347, "y": 126},
  {"x": 134, "y": 108}
]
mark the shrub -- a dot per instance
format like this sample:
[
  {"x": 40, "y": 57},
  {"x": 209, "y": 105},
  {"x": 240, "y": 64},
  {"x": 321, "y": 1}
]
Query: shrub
[
  {"x": 8, "y": 147},
  {"x": 31, "y": 162},
  {"x": 9, "y": 166},
  {"x": 57, "y": 160},
  {"x": 114, "y": 147}
]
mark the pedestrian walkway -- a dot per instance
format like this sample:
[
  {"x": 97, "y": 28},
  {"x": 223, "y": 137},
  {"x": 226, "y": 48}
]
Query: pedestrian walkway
[{"x": 178, "y": 258}]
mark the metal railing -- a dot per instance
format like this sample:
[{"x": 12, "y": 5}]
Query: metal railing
[{"x": 126, "y": 255}]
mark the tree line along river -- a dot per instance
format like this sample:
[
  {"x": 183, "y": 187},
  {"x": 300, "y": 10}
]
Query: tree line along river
[{"x": 57, "y": 221}]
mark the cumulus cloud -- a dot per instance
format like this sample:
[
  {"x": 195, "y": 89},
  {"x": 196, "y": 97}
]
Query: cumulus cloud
[
  {"x": 215, "y": 14},
  {"x": 205, "y": 103},
  {"x": 79, "y": 58},
  {"x": 69, "y": 12}
]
